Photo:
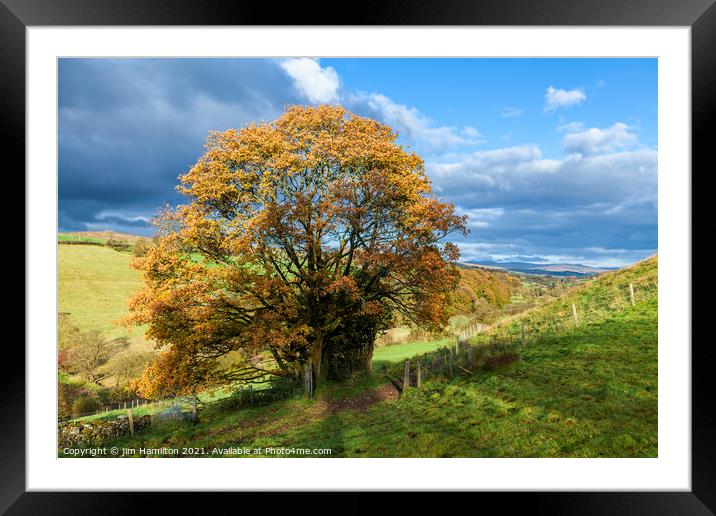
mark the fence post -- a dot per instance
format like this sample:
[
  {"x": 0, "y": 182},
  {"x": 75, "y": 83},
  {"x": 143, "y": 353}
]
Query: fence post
[
  {"x": 418, "y": 379},
  {"x": 450, "y": 364},
  {"x": 406, "y": 374},
  {"x": 131, "y": 421},
  {"x": 523, "y": 334},
  {"x": 469, "y": 357},
  {"x": 631, "y": 293},
  {"x": 574, "y": 312}
]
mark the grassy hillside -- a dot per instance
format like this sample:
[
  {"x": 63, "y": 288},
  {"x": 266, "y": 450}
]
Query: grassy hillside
[
  {"x": 595, "y": 300},
  {"x": 587, "y": 390},
  {"x": 94, "y": 283},
  {"x": 99, "y": 237},
  {"x": 93, "y": 286}
]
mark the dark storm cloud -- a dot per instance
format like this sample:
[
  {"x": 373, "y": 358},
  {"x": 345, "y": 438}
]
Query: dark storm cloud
[{"x": 129, "y": 127}]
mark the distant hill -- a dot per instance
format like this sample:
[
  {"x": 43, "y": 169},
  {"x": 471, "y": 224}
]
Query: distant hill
[
  {"x": 551, "y": 269},
  {"x": 99, "y": 237}
]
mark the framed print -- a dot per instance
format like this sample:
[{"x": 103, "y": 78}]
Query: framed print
[{"x": 417, "y": 250}]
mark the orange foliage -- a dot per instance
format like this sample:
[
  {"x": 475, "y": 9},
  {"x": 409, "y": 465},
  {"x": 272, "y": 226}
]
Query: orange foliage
[
  {"x": 294, "y": 227},
  {"x": 495, "y": 287}
]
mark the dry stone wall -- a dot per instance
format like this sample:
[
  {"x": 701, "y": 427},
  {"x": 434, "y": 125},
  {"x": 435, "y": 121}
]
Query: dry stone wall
[{"x": 94, "y": 433}]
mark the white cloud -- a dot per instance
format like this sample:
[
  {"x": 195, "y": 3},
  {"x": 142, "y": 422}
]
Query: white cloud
[
  {"x": 511, "y": 112},
  {"x": 411, "y": 123},
  {"x": 598, "y": 141},
  {"x": 570, "y": 127},
  {"x": 520, "y": 173},
  {"x": 317, "y": 84},
  {"x": 481, "y": 217},
  {"x": 471, "y": 132},
  {"x": 110, "y": 215},
  {"x": 557, "y": 98}
]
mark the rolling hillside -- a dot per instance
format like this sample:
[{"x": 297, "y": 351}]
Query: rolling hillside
[
  {"x": 99, "y": 237},
  {"x": 94, "y": 283},
  {"x": 586, "y": 389}
]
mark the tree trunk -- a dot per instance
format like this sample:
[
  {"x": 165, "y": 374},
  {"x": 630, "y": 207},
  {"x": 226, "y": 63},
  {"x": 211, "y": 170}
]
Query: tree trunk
[
  {"x": 317, "y": 356},
  {"x": 350, "y": 353},
  {"x": 347, "y": 350}
]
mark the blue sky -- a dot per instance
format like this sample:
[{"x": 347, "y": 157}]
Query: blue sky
[{"x": 553, "y": 160}]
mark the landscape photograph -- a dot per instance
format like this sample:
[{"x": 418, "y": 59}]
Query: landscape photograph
[{"x": 357, "y": 258}]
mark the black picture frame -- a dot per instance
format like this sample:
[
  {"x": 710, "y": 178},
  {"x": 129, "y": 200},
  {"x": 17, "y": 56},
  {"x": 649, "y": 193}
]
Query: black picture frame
[{"x": 16, "y": 15}]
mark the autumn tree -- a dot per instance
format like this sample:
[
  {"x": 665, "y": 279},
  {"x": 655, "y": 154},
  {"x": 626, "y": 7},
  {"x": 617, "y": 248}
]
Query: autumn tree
[
  {"x": 128, "y": 365},
  {"x": 90, "y": 352},
  {"x": 300, "y": 239}
]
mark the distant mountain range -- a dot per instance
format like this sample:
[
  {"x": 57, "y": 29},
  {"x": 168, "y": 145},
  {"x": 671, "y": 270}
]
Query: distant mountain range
[{"x": 551, "y": 269}]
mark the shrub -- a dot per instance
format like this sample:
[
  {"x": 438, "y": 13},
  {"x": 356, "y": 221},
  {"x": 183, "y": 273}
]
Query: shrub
[
  {"x": 141, "y": 247},
  {"x": 67, "y": 394},
  {"x": 84, "y": 405},
  {"x": 485, "y": 312}
]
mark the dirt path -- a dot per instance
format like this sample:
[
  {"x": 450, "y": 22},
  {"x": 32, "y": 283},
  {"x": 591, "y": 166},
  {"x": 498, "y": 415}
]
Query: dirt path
[
  {"x": 324, "y": 408},
  {"x": 363, "y": 401}
]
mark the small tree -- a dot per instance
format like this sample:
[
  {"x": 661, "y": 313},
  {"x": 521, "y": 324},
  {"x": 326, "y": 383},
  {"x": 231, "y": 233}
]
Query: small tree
[
  {"x": 84, "y": 405},
  {"x": 90, "y": 353},
  {"x": 67, "y": 394},
  {"x": 126, "y": 366}
]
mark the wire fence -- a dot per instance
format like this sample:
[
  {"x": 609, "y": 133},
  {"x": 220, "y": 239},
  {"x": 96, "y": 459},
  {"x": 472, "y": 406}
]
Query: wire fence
[
  {"x": 111, "y": 410},
  {"x": 188, "y": 407},
  {"x": 500, "y": 344}
]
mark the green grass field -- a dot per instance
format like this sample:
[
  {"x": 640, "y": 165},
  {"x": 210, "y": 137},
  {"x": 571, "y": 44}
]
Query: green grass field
[
  {"x": 94, "y": 284},
  {"x": 100, "y": 237},
  {"x": 68, "y": 237},
  {"x": 587, "y": 390},
  {"x": 398, "y": 352}
]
